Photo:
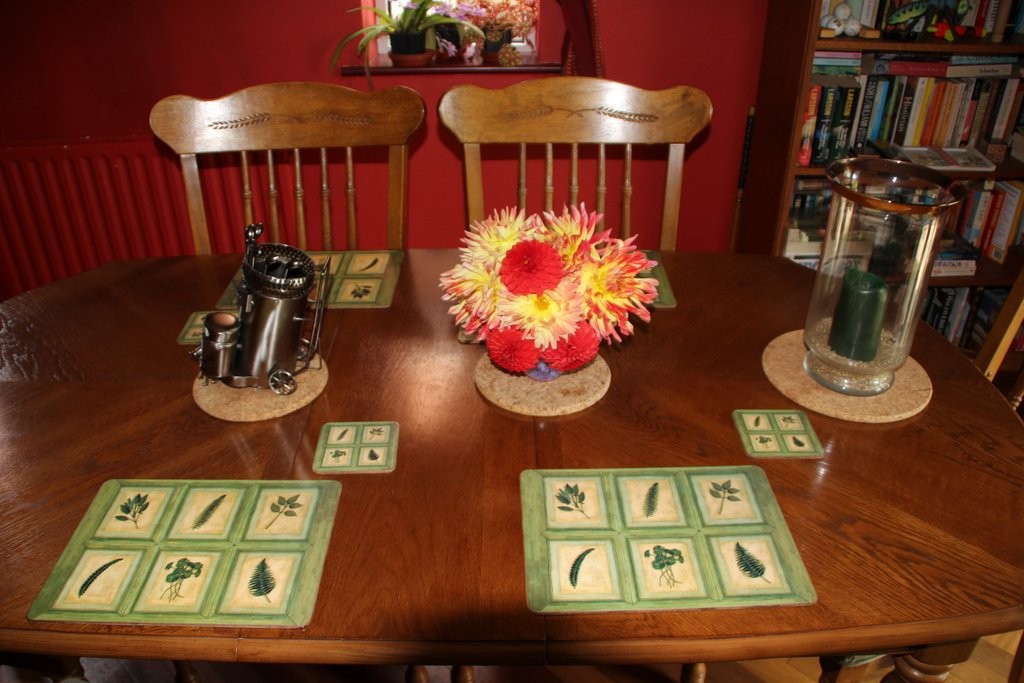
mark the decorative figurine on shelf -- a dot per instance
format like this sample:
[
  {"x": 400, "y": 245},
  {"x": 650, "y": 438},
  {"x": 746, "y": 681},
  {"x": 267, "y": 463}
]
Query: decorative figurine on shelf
[
  {"x": 261, "y": 345},
  {"x": 841, "y": 21}
]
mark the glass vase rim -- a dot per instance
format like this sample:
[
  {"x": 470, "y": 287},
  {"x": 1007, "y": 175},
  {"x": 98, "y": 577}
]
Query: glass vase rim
[{"x": 950, "y": 191}]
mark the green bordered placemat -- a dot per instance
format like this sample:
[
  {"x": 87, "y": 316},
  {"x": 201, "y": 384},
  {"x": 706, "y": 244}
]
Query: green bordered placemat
[
  {"x": 777, "y": 434},
  {"x": 654, "y": 539},
  {"x": 666, "y": 299},
  {"x": 356, "y": 447},
  {"x": 361, "y": 279},
  {"x": 217, "y": 552}
]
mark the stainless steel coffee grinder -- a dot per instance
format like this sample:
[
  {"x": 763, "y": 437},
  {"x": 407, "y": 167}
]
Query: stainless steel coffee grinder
[{"x": 262, "y": 344}]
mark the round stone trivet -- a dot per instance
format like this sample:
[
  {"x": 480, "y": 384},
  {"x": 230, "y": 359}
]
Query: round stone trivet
[
  {"x": 783, "y": 363},
  {"x": 567, "y": 394},
  {"x": 250, "y": 404}
]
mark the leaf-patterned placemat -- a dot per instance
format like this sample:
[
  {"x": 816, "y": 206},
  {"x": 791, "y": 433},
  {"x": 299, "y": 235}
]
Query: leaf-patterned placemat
[
  {"x": 659, "y": 538},
  {"x": 356, "y": 447},
  {"x": 216, "y": 552},
  {"x": 777, "y": 434},
  {"x": 360, "y": 279}
]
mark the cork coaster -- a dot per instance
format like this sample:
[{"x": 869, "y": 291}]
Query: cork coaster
[
  {"x": 567, "y": 394},
  {"x": 783, "y": 365},
  {"x": 250, "y": 404}
]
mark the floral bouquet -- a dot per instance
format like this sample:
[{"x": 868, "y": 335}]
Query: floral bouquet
[
  {"x": 494, "y": 16},
  {"x": 544, "y": 292}
]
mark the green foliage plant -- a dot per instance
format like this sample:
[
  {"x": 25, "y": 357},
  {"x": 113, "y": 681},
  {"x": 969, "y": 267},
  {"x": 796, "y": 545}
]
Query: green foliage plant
[{"x": 417, "y": 16}]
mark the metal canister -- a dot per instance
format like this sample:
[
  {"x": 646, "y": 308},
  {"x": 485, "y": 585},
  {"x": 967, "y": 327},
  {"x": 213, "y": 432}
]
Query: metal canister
[{"x": 220, "y": 340}]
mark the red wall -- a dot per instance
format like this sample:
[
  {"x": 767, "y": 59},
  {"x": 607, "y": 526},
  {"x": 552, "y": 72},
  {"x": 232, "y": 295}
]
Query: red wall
[{"x": 79, "y": 71}]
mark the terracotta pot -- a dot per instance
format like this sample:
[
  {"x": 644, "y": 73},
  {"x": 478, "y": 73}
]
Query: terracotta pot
[{"x": 421, "y": 59}]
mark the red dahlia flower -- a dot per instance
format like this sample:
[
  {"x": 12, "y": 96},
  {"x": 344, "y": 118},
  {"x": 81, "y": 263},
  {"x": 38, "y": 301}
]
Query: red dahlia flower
[
  {"x": 575, "y": 351},
  {"x": 510, "y": 351},
  {"x": 530, "y": 267}
]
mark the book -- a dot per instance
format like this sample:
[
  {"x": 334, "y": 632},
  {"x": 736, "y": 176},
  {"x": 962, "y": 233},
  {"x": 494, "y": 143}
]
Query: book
[
  {"x": 877, "y": 112},
  {"x": 989, "y": 303},
  {"x": 955, "y": 257},
  {"x": 869, "y": 13},
  {"x": 867, "y": 105},
  {"x": 842, "y": 124},
  {"x": 823, "y": 127},
  {"x": 1000, "y": 20},
  {"x": 935, "y": 67},
  {"x": 903, "y": 110},
  {"x": 1007, "y": 222},
  {"x": 973, "y": 226},
  {"x": 958, "y": 314},
  {"x": 991, "y": 217},
  {"x": 1001, "y": 122},
  {"x": 807, "y": 130}
]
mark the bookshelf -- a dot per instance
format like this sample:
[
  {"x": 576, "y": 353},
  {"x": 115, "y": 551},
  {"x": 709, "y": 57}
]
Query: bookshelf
[
  {"x": 782, "y": 95},
  {"x": 791, "y": 39}
]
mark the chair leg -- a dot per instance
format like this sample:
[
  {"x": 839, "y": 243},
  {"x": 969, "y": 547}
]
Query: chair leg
[
  {"x": 184, "y": 672},
  {"x": 693, "y": 673},
  {"x": 834, "y": 671},
  {"x": 1017, "y": 668},
  {"x": 463, "y": 674},
  {"x": 417, "y": 674}
]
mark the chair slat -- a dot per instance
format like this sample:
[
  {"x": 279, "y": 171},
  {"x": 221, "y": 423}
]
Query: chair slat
[
  {"x": 549, "y": 176},
  {"x": 273, "y": 198},
  {"x": 325, "y": 203},
  {"x": 350, "y": 200},
  {"x": 300, "y": 201},
  {"x": 602, "y": 181},
  {"x": 574, "y": 173},
  {"x": 625, "y": 229},
  {"x": 247, "y": 194},
  {"x": 521, "y": 182}
]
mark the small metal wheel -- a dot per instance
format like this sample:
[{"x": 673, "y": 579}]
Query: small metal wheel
[{"x": 282, "y": 382}]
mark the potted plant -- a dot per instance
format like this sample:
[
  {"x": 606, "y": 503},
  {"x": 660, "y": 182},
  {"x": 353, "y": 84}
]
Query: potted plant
[{"x": 408, "y": 32}]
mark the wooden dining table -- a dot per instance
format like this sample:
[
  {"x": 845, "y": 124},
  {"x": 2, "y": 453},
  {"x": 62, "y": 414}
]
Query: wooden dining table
[{"x": 910, "y": 531}]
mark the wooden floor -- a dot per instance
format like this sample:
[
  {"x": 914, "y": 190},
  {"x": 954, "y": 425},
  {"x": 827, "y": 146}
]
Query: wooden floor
[{"x": 990, "y": 664}]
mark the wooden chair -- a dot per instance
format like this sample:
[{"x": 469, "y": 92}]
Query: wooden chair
[
  {"x": 275, "y": 122},
  {"x": 997, "y": 341},
  {"x": 569, "y": 112}
]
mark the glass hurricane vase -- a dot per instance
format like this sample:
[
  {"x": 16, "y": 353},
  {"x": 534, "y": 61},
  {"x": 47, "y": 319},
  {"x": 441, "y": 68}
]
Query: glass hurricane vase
[{"x": 883, "y": 229}]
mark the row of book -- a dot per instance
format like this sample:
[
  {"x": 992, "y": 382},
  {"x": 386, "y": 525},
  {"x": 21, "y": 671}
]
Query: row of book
[
  {"x": 933, "y": 19},
  {"x": 844, "y": 112},
  {"x": 964, "y": 315},
  {"x": 989, "y": 224}
]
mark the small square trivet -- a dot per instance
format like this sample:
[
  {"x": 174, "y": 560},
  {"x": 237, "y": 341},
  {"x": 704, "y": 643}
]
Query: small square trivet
[
  {"x": 356, "y": 447},
  {"x": 777, "y": 434}
]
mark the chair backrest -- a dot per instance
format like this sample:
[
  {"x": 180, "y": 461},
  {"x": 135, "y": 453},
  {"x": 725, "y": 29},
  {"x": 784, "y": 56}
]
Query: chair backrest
[
  {"x": 566, "y": 112},
  {"x": 997, "y": 342},
  {"x": 279, "y": 120}
]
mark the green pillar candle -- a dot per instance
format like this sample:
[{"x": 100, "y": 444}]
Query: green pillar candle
[{"x": 857, "y": 322}]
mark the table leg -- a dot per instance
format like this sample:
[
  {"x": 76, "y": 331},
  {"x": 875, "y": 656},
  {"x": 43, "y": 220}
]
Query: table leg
[
  {"x": 930, "y": 663},
  {"x": 693, "y": 673}
]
